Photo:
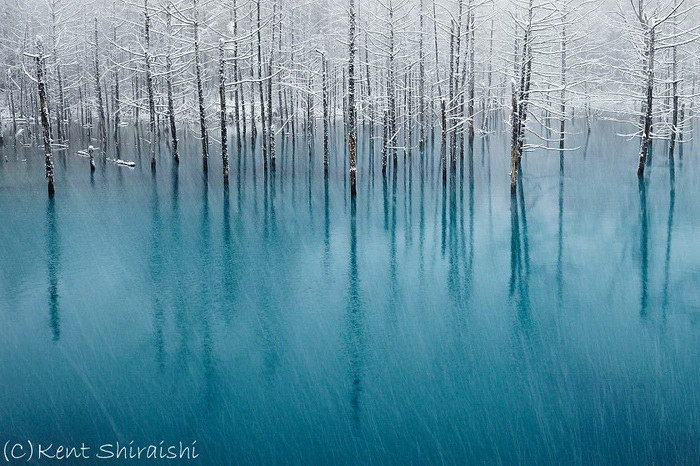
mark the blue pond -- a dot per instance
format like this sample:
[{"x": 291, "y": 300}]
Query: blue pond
[{"x": 277, "y": 321}]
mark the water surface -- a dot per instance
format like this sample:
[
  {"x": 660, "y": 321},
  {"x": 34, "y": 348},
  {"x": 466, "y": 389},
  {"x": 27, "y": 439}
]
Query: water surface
[{"x": 277, "y": 321}]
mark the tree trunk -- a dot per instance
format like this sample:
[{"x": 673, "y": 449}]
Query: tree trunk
[
  {"x": 117, "y": 104},
  {"x": 674, "y": 88},
  {"x": 352, "y": 123},
  {"x": 646, "y": 131},
  {"x": 562, "y": 108},
  {"x": 200, "y": 91},
  {"x": 149, "y": 84},
  {"x": 326, "y": 116},
  {"x": 222, "y": 109},
  {"x": 472, "y": 74},
  {"x": 169, "y": 87},
  {"x": 391, "y": 88},
  {"x": 98, "y": 91},
  {"x": 421, "y": 80},
  {"x": 261, "y": 88},
  {"x": 60, "y": 105},
  {"x": 44, "y": 111}
]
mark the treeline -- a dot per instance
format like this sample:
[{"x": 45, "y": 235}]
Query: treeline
[{"x": 401, "y": 73}]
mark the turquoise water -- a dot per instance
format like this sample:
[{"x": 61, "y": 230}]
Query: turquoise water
[{"x": 280, "y": 322}]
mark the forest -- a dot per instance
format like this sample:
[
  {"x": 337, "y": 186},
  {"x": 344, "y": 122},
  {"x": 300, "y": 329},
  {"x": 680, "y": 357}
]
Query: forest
[{"x": 396, "y": 73}]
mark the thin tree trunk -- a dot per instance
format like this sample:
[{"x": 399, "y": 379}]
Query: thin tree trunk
[
  {"x": 200, "y": 90},
  {"x": 261, "y": 88},
  {"x": 352, "y": 130},
  {"x": 222, "y": 104},
  {"x": 169, "y": 86},
  {"x": 421, "y": 79},
  {"x": 270, "y": 126},
  {"x": 326, "y": 116},
  {"x": 674, "y": 88},
  {"x": 472, "y": 73},
  {"x": 562, "y": 108},
  {"x": 117, "y": 104},
  {"x": 646, "y": 134},
  {"x": 149, "y": 83},
  {"x": 237, "y": 97},
  {"x": 98, "y": 91},
  {"x": 60, "y": 106},
  {"x": 370, "y": 103},
  {"x": 44, "y": 111}
]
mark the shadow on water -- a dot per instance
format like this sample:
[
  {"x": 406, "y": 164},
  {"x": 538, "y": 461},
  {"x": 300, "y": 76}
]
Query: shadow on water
[
  {"x": 458, "y": 234},
  {"x": 443, "y": 219},
  {"x": 207, "y": 344},
  {"x": 520, "y": 259},
  {"x": 178, "y": 282},
  {"x": 454, "y": 252},
  {"x": 53, "y": 252},
  {"x": 395, "y": 292},
  {"x": 669, "y": 233},
  {"x": 156, "y": 274},
  {"x": 643, "y": 249},
  {"x": 229, "y": 266},
  {"x": 269, "y": 326},
  {"x": 470, "y": 254},
  {"x": 355, "y": 339},
  {"x": 326, "y": 227},
  {"x": 585, "y": 145},
  {"x": 560, "y": 235},
  {"x": 421, "y": 229}
]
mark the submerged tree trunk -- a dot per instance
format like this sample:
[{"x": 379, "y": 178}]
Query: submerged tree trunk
[
  {"x": 370, "y": 104},
  {"x": 515, "y": 129},
  {"x": 562, "y": 109},
  {"x": 352, "y": 123},
  {"x": 326, "y": 116},
  {"x": 222, "y": 104},
  {"x": 200, "y": 90},
  {"x": 385, "y": 140},
  {"x": 14, "y": 115},
  {"x": 117, "y": 104},
  {"x": 237, "y": 97},
  {"x": 261, "y": 89},
  {"x": 488, "y": 98},
  {"x": 472, "y": 74},
  {"x": 391, "y": 87},
  {"x": 98, "y": 92},
  {"x": 149, "y": 83},
  {"x": 674, "y": 88},
  {"x": 646, "y": 131},
  {"x": 60, "y": 105},
  {"x": 91, "y": 151},
  {"x": 270, "y": 126},
  {"x": 437, "y": 56},
  {"x": 443, "y": 140},
  {"x": 520, "y": 97},
  {"x": 169, "y": 86},
  {"x": 421, "y": 79},
  {"x": 44, "y": 111}
]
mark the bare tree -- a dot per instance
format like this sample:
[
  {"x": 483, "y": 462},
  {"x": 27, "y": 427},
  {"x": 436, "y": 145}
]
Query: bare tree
[
  {"x": 352, "y": 121},
  {"x": 44, "y": 112}
]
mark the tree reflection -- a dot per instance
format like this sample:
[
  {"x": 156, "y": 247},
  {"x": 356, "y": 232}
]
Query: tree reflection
[
  {"x": 560, "y": 235},
  {"x": 669, "y": 233},
  {"x": 156, "y": 275},
  {"x": 355, "y": 340},
  {"x": 519, "y": 258},
  {"x": 53, "y": 267},
  {"x": 643, "y": 249}
]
